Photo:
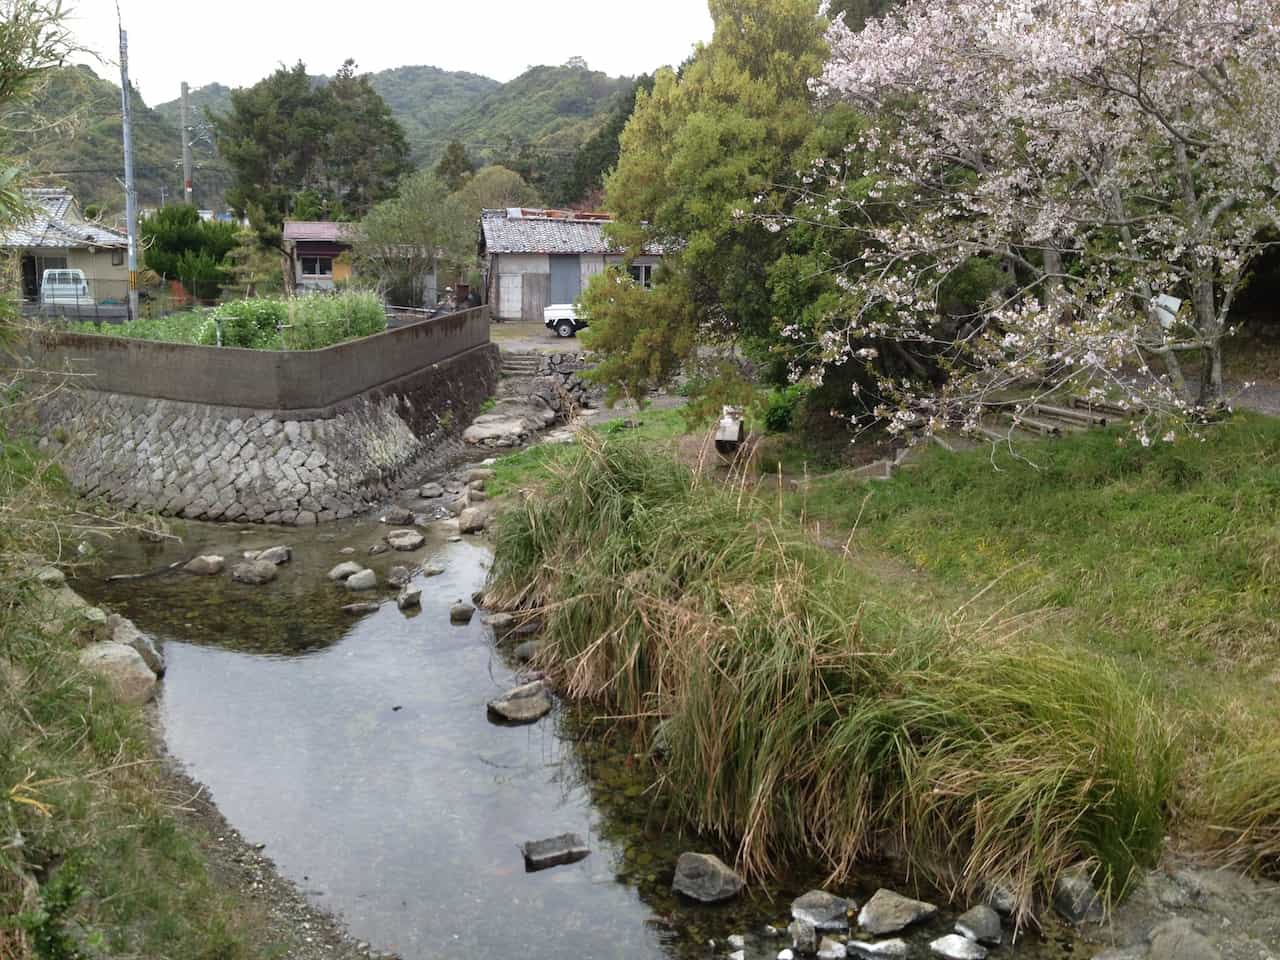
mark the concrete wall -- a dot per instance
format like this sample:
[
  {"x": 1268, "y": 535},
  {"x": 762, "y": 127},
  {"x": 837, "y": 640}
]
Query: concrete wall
[
  {"x": 252, "y": 436},
  {"x": 303, "y": 382}
]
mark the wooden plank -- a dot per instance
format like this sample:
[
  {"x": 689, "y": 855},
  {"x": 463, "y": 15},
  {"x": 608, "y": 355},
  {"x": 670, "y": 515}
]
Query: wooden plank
[{"x": 534, "y": 291}]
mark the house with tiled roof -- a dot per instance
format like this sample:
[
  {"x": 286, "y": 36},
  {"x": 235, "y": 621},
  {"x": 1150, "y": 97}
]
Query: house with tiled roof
[
  {"x": 57, "y": 236},
  {"x": 535, "y": 258},
  {"x": 316, "y": 249}
]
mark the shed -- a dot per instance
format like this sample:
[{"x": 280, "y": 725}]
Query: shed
[{"x": 535, "y": 258}]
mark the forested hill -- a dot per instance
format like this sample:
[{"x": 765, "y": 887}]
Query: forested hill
[
  {"x": 543, "y": 116},
  {"x": 545, "y": 107},
  {"x": 78, "y": 143}
]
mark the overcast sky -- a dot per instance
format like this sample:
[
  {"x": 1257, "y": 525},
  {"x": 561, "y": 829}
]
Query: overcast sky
[{"x": 237, "y": 42}]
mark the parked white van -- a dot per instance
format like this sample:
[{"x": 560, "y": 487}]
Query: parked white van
[{"x": 64, "y": 287}]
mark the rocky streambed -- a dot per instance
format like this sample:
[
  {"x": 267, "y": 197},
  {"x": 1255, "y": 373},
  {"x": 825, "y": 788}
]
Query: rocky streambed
[{"x": 382, "y": 746}]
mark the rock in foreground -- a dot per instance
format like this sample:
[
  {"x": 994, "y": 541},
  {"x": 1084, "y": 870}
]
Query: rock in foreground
[
  {"x": 130, "y": 678},
  {"x": 410, "y": 598},
  {"x": 345, "y": 570},
  {"x": 405, "y": 540},
  {"x": 982, "y": 924},
  {"x": 880, "y": 948},
  {"x": 364, "y": 580},
  {"x": 955, "y": 947},
  {"x": 461, "y": 613},
  {"x": 209, "y": 565},
  {"x": 889, "y": 912},
  {"x": 255, "y": 572},
  {"x": 541, "y": 854},
  {"x": 1075, "y": 898},
  {"x": 825, "y": 911},
  {"x": 705, "y": 877},
  {"x": 523, "y": 704}
]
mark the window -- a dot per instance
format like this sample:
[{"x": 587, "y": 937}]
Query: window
[
  {"x": 642, "y": 273},
  {"x": 317, "y": 266},
  {"x": 117, "y": 258}
]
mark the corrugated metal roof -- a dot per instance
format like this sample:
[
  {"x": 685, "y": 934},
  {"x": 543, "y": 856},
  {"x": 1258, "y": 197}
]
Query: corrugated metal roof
[
  {"x": 548, "y": 231},
  {"x": 57, "y": 223},
  {"x": 325, "y": 231}
]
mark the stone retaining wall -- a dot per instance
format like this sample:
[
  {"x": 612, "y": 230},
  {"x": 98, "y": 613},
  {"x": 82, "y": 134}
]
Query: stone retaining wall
[{"x": 247, "y": 463}]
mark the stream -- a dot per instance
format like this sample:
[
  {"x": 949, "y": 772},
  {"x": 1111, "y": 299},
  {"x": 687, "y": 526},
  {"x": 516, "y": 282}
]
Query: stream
[{"x": 357, "y": 749}]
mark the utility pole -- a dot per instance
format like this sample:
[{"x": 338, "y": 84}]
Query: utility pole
[
  {"x": 130, "y": 195},
  {"x": 186, "y": 146}
]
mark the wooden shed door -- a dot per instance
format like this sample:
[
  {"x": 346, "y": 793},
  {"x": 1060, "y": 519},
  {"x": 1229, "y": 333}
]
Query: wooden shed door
[
  {"x": 509, "y": 296},
  {"x": 535, "y": 289}
]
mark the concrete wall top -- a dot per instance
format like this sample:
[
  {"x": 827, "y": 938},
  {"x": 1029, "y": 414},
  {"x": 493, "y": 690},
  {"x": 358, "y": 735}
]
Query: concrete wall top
[{"x": 295, "y": 380}]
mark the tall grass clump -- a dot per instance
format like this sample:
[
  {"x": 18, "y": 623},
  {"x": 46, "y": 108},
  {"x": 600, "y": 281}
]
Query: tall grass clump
[
  {"x": 1241, "y": 803},
  {"x": 808, "y": 712},
  {"x": 321, "y": 320}
]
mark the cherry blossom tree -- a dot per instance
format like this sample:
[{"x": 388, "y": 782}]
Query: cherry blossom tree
[{"x": 1109, "y": 157}]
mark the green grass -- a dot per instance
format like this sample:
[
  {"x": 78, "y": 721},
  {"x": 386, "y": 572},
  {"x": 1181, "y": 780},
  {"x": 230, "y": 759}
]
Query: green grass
[
  {"x": 526, "y": 466},
  {"x": 175, "y": 328},
  {"x": 1162, "y": 560},
  {"x": 104, "y": 865},
  {"x": 809, "y": 712}
]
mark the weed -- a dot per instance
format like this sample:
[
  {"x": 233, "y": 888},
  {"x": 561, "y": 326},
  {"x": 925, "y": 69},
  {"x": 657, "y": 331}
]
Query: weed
[{"x": 809, "y": 713}]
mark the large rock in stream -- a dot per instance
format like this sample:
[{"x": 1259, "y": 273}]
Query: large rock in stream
[
  {"x": 889, "y": 912},
  {"x": 824, "y": 911},
  {"x": 254, "y": 572},
  {"x": 542, "y": 854},
  {"x": 523, "y": 704},
  {"x": 705, "y": 877},
  {"x": 128, "y": 675}
]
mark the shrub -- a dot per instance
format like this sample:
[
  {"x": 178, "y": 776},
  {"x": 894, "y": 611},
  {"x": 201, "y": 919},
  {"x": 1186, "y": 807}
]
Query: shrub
[
  {"x": 322, "y": 319},
  {"x": 779, "y": 408},
  {"x": 246, "y": 323}
]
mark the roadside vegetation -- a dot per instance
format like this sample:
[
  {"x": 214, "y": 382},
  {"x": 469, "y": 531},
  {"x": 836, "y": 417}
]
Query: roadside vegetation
[
  {"x": 807, "y": 711},
  {"x": 94, "y": 859},
  {"x": 301, "y": 323}
]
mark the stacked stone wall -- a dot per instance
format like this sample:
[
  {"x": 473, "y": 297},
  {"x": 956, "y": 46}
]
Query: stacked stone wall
[{"x": 211, "y": 462}]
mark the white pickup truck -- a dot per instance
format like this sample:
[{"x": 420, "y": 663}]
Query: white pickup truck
[{"x": 563, "y": 319}]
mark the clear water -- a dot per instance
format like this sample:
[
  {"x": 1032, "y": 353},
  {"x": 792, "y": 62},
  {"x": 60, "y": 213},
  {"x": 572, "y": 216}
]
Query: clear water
[{"x": 359, "y": 752}]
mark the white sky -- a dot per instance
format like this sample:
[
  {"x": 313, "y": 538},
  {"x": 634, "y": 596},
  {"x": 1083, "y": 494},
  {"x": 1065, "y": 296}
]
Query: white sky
[{"x": 237, "y": 42}]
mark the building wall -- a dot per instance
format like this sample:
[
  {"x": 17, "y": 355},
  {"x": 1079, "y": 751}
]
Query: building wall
[
  {"x": 106, "y": 282},
  {"x": 508, "y": 307}
]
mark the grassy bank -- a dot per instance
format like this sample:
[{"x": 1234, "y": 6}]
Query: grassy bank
[
  {"x": 1162, "y": 560},
  {"x": 95, "y": 858},
  {"x": 808, "y": 711}
]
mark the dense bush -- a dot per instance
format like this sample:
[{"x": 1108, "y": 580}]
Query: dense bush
[
  {"x": 319, "y": 321},
  {"x": 246, "y": 323}
]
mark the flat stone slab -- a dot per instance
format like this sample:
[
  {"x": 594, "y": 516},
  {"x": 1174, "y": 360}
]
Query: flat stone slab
[
  {"x": 889, "y": 912},
  {"x": 524, "y": 704},
  {"x": 706, "y": 878},
  {"x": 361, "y": 608},
  {"x": 955, "y": 947},
  {"x": 277, "y": 555},
  {"x": 405, "y": 540},
  {"x": 827, "y": 912},
  {"x": 878, "y": 948},
  {"x": 553, "y": 852}
]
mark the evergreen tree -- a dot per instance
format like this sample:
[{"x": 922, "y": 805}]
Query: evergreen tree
[{"x": 455, "y": 166}]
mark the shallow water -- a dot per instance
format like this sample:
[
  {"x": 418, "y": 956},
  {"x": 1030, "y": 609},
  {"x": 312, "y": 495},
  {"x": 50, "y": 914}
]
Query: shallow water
[{"x": 359, "y": 752}]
